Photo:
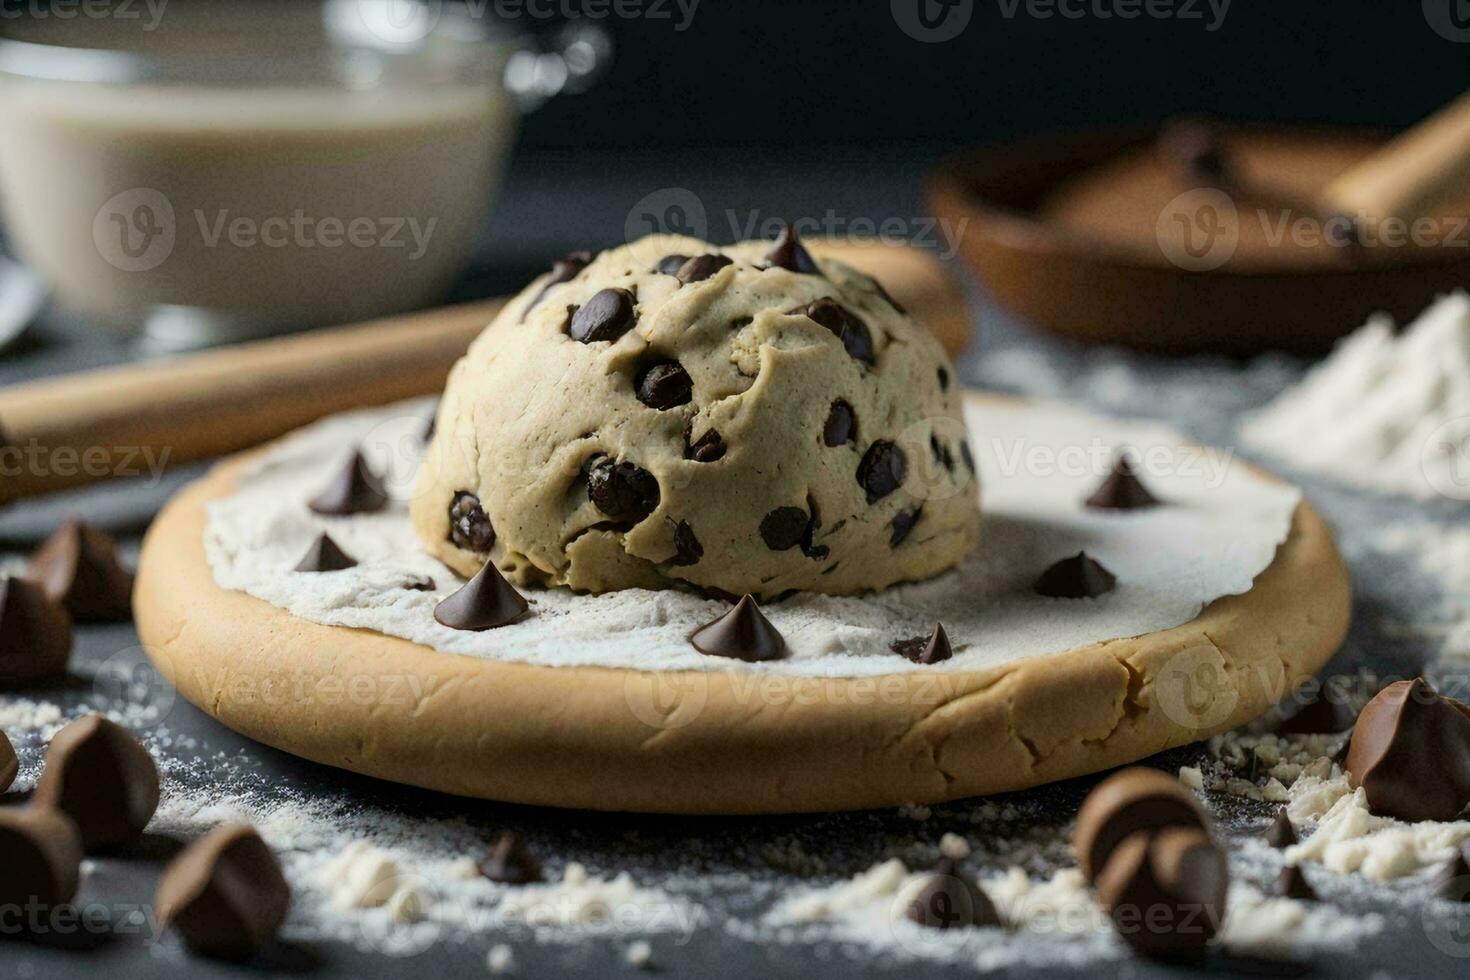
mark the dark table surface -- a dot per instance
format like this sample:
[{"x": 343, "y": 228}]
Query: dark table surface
[{"x": 546, "y": 203}]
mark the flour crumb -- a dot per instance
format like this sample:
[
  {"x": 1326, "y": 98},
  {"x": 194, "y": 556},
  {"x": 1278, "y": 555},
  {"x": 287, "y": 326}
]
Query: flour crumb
[
  {"x": 954, "y": 846},
  {"x": 638, "y": 955},
  {"x": 361, "y": 877},
  {"x": 501, "y": 959}
]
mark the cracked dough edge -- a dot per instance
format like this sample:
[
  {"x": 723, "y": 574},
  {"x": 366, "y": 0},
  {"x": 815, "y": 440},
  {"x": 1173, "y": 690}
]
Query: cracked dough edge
[{"x": 706, "y": 742}]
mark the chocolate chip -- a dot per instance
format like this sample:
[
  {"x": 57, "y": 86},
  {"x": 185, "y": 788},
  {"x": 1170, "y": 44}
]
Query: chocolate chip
[
  {"x": 35, "y": 634},
  {"x": 788, "y": 253},
  {"x": 1165, "y": 891},
  {"x": 324, "y": 556},
  {"x": 564, "y": 269},
  {"x": 1292, "y": 883},
  {"x": 664, "y": 386},
  {"x": 701, "y": 267},
  {"x": 510, "y": 863},
  {"x": 98, "y": 774},
  {"x": 967, "y": 457},
  {"x": 605, "y": 317},
  {"x": 9, "y": 764},
  {"x": 848, "y": 327},
  {"x": 1122, "y": 490},
  {"x": 225, "y": 894},
  {"x": 809, "y": 546},
  {"x": 743, "y": 633},
  {"x": 485, "y": 602},
  {"x": 950, "y": 899},
  {"x": 469, "y": 526},
  {"x": 940, "y": 452},
  {"x": 1078, "y": 577},
  {"x": 1321, "y": 712},
  {"x": 706, "y": 449},
  {"x": 624, "y": 492},
  {"x": 669, "y": 264},
  {"x": 1452, "y": 881},
  {"x": 41, "y": 853},
  {"x": 687, "y": 549},
  {"x": 1281, "y": 834},
  {"x": 943, "y": 374},
  {"x": 887, "y": 298},
  {"x": 79, "y": 568},
  {"x": 356, "y": 489},
  {"x": 1134, "y": 799},
  {"x": 783, "y": 528},
  {"x": 841, "y": 425},
  {"x": 1410, "y": 753},
  {"x": 902, "y": 526},
  {"x": 929, "y": 649},
  {"x": 882, "y": 470}
]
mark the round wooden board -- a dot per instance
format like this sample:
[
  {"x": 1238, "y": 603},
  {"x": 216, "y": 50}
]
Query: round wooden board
[{"x": 722, "y": 742}]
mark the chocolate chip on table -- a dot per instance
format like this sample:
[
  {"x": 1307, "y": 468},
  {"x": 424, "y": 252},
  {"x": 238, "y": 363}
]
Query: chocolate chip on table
[
  {"x": 951, "y": 899},
  {"x": 98, "y": 774},
  {"x": 1292, "y": 883},
  {"x": 606, "y": 316},
  {"x": 1078, "y": 577},
  {"x": 882, "y": 470},
  {"x": 849, "y": 328},
  {"x": 79, "y": 568},
  {"x": 624, "y": 492},
  {"x": 1323, "y": 712},
  {"x": 225, "y": 894},
  {"x": 485, "y": 602},
  {"x": 1165, "y": 891},
  {"x": 1121, "y": 489},
  {"x": 325, "y": 556},
  {"x": 706, "y": 449},
  {"x": 41, "y": 853},
  {"x": 926, "y": 650},
  {"x": 664, "y": 385},
  {"x": 902, "y": 526},
  {"x": 1281, "y": 834},
  {"x": 1452, "y": 881},
  {"x": 469, "y": 527},
  {"x": 743, "y": 633},
  {"x": 1133, "y": 799},
  {"x": 687, "y": 549},
  {"x": 356, "y": 489},
  {"x": 669, "y": 264},
  {"x": 564, "y": 269},
  {"x": 9, "y": 764},
  {"x": 1410, "y": 753},
  {"x": 788, "y": 253},
  {"x": 35, "y": 634},
  {"x": 510, "y": 863},
  {"x": 841, "y": 425},
  {"x": 701, "y": 267},
  {"x": 784, "y": 528}
]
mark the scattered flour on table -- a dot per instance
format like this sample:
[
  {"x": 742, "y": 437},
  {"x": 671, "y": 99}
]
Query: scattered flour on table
[
  {"x": 1442, "y": 552},
  {"x": 1387, "y": 410}
]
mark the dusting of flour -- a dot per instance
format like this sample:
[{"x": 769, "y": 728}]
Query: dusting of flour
[{"x": 1037, "y": 463}]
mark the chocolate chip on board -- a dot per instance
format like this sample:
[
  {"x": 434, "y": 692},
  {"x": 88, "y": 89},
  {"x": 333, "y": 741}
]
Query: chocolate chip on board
[
  {"x": 35, "y": 634},
  {"x": 743, "y": 633},
  {"x": 1410, "y": 753},
  {"x": 41, "y": 852},
  {"x": 356, "y": 489},
  {"x": 485, "y": 602},
  {"x": 510, "y": 862},
  {"x": 1121, "y": 489},
  {"x": 79, "y": 568},
  {"x": 950, "y": 899},
  {"x": 101, "y": 777},
  {"x": 325, "y": 556},
  {"x": 469, "y": 526},
  {"x": 1133, "y": 799},
  {"x": 225, "y": 894},
  {"x": 1281, "y": 834},
  {"x": 790, "y": 254},
  {"x": 1292, "y": 883},
  {"x": 1452, "y": 881},
  {"x": 9, "y": 764},
  {"x": 605, "y": 317},
  {"x": 926, "y": 650},
  {"x": 1165, "y": 891},
  {"x": 1078, "y": 577}
]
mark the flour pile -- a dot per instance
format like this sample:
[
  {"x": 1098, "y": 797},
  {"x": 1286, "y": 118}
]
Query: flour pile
[{"x": 1387, "y": 410}]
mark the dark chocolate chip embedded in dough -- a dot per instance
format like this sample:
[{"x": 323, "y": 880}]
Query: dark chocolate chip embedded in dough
[
  {"x": 841, "y": 425},
  {"x": 98, "y": 774},
  {"x": 687, "y": 549},
  {"x": 929, "y": 649},
  {"x": 1121, "y": 489},
  {"x": 848, "y": 326},
  {"x": 882, "y": 470},
  {"x": 1078, "y": 577},
  {"x": 788, "y": 253},
  {"x": 356, "y": 489},
  {"x": 743, "y": 633},
  {"x": 902, "y": 526},
  {"x": 510, "y": 862},
  {"x": 1281, "y": 834},
  {"x": 664, "y": 386},
  {"x": 967, "y": 456},
  {"x": 624, "y": 492},
  {"x": 701, "y": 267},
  {"x": 606, "y": 316},
  {"x": 706, "y": 449},
  {"x": 943, "y": 374},
  {"x": 1410, "y": 753},
  {"x": 950, "y": 899},
  {"x": 1134, "y": 799},
  {"x": 469, "y": 526},
  {"x": 41, "y": 853},
  {"x": 485, "y": 602},
  {"x": 1292, "y": 883},
  {"x": 79, "y": 568},
  {"x": 669, "y": 264},
  {"x": 225, "y": 894},
  {"x": 35, "y": 634},
  {"x": 784, "y": 527},
  {"x": 324, "y": 556},
  {"x": 941, "y": 453}
]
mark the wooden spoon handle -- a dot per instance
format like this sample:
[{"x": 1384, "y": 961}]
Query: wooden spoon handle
[
  {"x": 1412, "y": 174},
  {"x": 135, "y": 419}
]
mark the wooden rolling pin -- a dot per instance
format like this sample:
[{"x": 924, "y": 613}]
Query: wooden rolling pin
[{"x": 96, "y": 425}]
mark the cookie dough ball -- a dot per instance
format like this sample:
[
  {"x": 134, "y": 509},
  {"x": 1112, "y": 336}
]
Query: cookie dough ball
[{"x": 670, "y": 413}]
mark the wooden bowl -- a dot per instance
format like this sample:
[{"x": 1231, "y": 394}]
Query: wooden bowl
[{"x": 1065, "y": 231}]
